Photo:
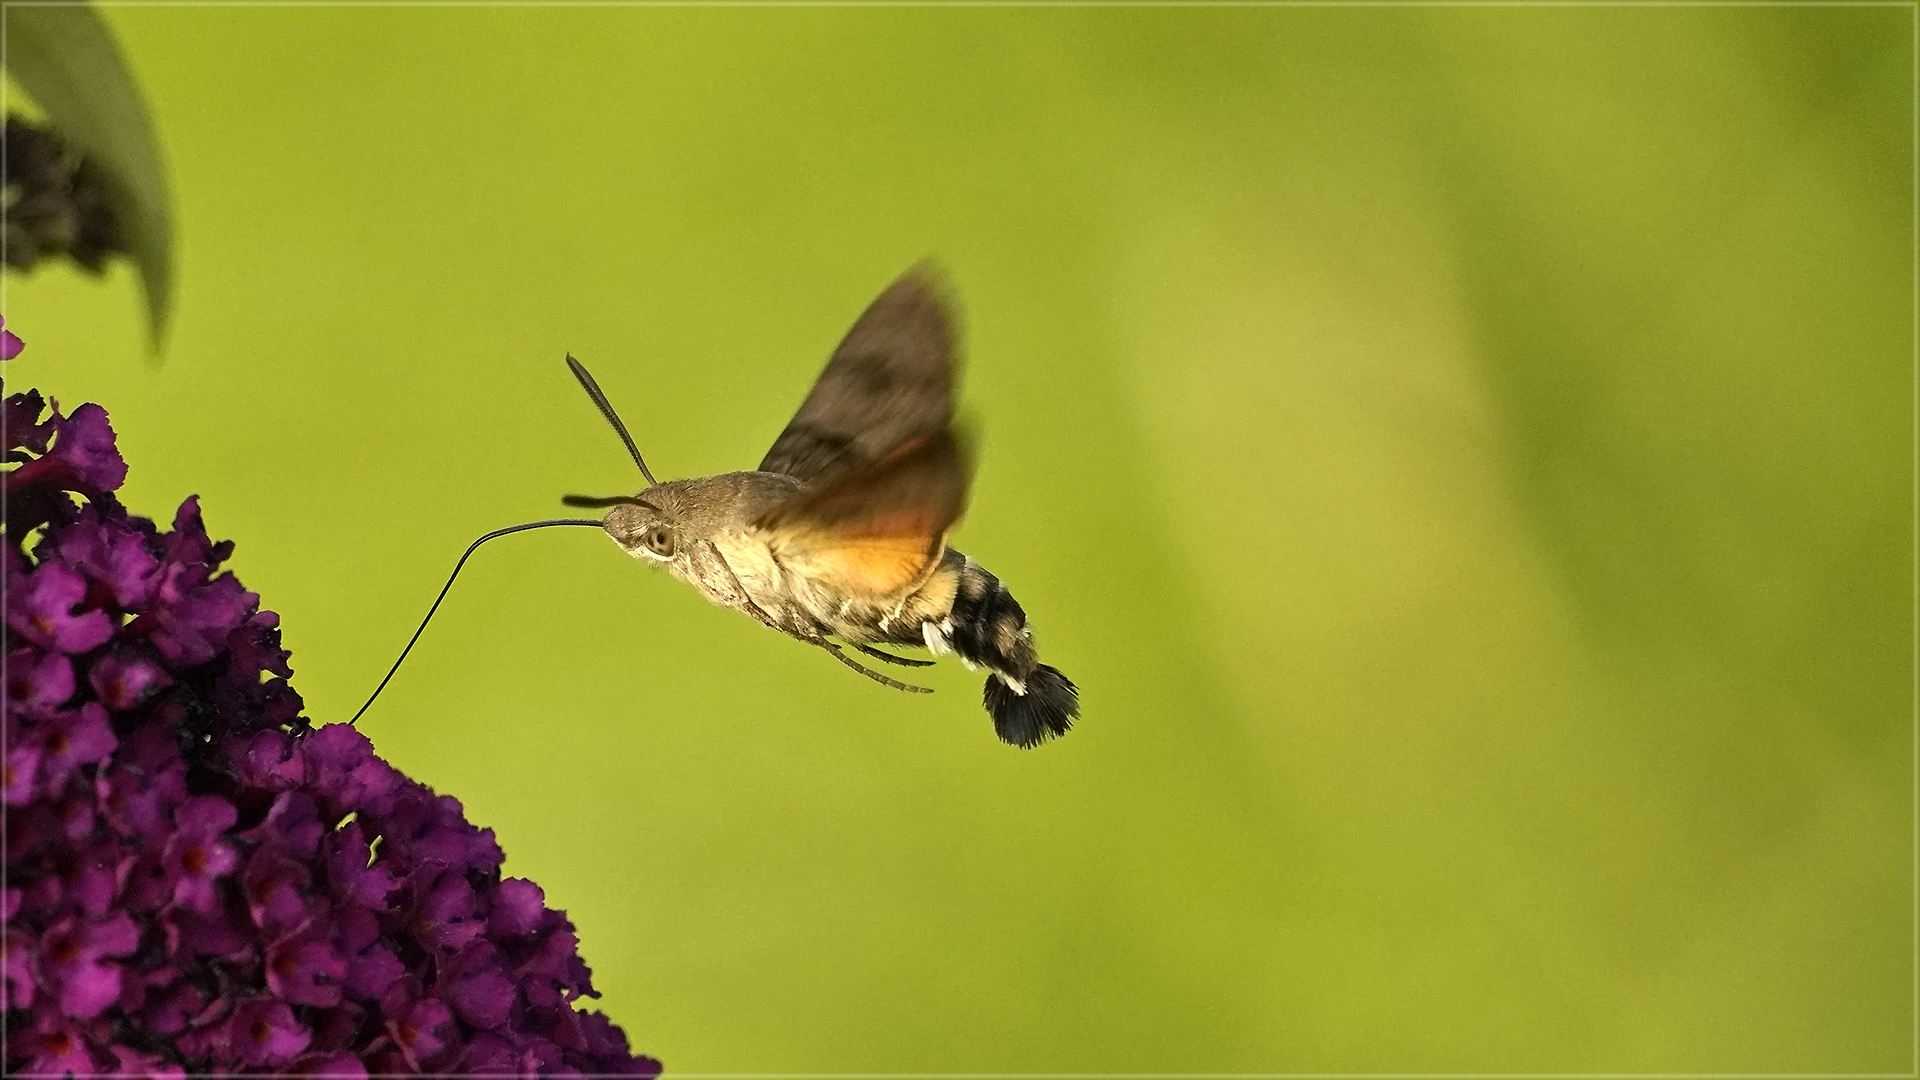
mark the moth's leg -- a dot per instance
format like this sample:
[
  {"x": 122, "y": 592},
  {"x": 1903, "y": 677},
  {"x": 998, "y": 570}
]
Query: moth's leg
[
  {"x": 869, "y": 672},
  {"x": 892, "y": 659},
  {"x": 735, "y": 595}
]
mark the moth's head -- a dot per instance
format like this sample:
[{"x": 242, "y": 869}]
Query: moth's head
[
  {"x": 667, "y": 523},
  {"x": 648, "y": 528}
]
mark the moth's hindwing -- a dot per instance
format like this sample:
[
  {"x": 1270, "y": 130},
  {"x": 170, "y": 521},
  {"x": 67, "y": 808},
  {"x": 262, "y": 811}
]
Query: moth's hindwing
[{"x": 878, "y": 533}]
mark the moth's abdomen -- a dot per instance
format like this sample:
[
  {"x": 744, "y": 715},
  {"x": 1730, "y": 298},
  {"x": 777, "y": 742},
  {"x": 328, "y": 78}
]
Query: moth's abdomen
[{"x": 1030, "y": 702}]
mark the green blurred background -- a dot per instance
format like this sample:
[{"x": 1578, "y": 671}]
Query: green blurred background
[{"x": 1464, "y": 455}]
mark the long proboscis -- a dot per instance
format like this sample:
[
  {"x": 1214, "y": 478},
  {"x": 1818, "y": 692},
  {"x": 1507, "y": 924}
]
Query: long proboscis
[
  {"x": 471, "y": 548},
  {"x": 606, "y": 409}
]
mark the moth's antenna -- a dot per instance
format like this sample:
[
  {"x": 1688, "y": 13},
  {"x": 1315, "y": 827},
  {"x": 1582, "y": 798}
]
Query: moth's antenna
[
  {"x": 593, "y": 391},
  {"x": 449, "y": 585},
  {"x": 592, "y": 502}
]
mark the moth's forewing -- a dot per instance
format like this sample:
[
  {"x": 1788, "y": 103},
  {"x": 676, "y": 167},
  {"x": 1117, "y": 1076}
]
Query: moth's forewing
[
  {"x": 890, "y": 382},
  {"x": 877, "y": 533}
]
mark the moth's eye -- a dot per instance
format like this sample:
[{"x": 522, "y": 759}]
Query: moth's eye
[{"x": 660, "y": 542}]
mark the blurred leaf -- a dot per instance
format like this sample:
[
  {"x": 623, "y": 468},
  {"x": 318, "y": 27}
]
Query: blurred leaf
[{"x": 66, "y": 58}]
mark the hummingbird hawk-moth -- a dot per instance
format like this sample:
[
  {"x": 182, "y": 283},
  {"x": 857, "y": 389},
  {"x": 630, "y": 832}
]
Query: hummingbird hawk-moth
[{"x": 839, "y": 537}]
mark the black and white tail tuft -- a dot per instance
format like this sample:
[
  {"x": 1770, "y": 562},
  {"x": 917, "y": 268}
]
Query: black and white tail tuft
[{"x": 1047, "y": 709}]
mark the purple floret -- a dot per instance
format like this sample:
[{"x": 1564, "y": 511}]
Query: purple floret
[
  {"x": 72, "y": 961},
  {"x": 21, "y": 415},
  {"x": 37, "y": 681},
  {"x": 122, "y": 681},
  {"x": 113, "y": 551},
  {"x": 10, "y": 344},
  {"x": 84, "y": 456},
  {"x": 197, "y": 880},
  {"x": 43, "y": 608}
]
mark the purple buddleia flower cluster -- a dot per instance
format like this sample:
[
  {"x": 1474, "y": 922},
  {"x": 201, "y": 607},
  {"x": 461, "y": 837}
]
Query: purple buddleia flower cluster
[{"x": 197, "y": 882}]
